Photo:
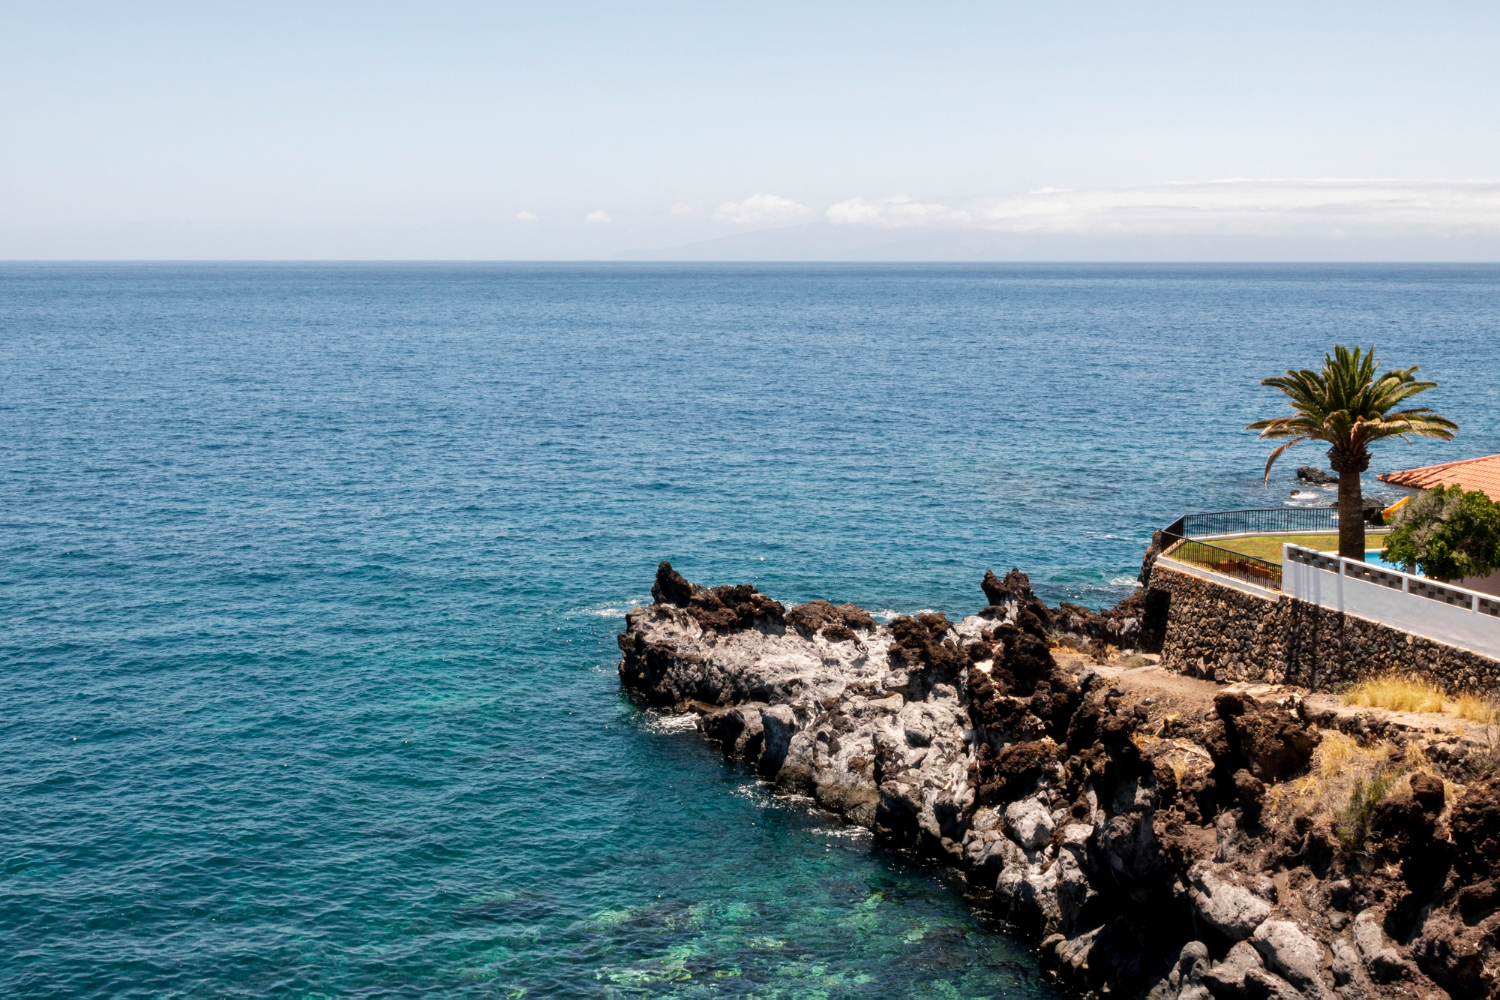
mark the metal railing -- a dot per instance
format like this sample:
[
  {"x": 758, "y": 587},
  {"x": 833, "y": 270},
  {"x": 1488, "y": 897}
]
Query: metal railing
[
  {"x": 1267, "y": 521},
  {"x": 1260, "y": 572}
]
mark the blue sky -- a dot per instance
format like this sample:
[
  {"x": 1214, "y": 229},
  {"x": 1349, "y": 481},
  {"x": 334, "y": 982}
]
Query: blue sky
[{"x": 580, "y": 130}]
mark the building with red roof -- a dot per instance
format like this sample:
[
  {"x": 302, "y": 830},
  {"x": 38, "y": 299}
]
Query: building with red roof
[{"x": 1482, "y": 474}]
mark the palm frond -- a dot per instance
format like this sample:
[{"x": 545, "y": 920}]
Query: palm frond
[
  {"x": 1350, "y": 404},
  {"x": 1277, "y": 454}
]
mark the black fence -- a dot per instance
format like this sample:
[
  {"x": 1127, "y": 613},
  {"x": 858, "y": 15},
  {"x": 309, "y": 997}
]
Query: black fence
[
  {"x": 1230, "y": 563},
  {"x": 1271, "y": 521}
]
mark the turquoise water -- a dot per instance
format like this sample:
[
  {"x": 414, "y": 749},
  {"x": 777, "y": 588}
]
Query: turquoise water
[{"x": 311, "y": 578}]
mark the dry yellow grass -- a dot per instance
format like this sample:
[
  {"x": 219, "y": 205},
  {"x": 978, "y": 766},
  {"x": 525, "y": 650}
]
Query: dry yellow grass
[
  {"x": 1342, "y": 771},
  {"x": 1339, "y": 763},
  {"x": 1415, "y": 758},
  {"x": 1468, "y": 706},
  {"x": 1334, "y": 754},
  {"x": 1409, "y": 694},
  {"x": 1397, "y": 694}
]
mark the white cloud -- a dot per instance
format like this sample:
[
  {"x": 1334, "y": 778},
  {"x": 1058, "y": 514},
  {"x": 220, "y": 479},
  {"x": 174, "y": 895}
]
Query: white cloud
[
  {"x": 898, "y": 211},
  {"x": 763, "y": 210},
  {"x": 1326, "y": 206},
  {"x": 681, "y": 209},
  {"x": 1240, "y": 206},
  {"x": 598, "y": 216},
  {"x": 525, "y": 217}
]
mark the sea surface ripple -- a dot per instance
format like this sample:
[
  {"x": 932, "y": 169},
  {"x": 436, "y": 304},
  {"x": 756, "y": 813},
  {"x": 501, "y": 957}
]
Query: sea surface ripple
[{"x": 311, "y": 576}]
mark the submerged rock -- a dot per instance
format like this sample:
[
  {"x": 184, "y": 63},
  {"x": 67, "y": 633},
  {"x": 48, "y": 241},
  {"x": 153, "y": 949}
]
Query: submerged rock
[
  {"x": 1137, "y": 847},
  {"x": 1316, "y": 476}
]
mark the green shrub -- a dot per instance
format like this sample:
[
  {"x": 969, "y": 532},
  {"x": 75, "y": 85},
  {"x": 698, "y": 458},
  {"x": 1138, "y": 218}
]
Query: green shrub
[
  {"x": 1450, "y": 532},
  {"x": 1353, "y": 821}
]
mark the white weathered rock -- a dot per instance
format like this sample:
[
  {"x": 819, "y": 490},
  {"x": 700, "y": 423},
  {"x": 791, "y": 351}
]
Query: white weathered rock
[
  {"x": 1077, "y": 835},
  {"x": 985, "y": 818},
  {"x": 1184, "y": 980},
  {"x": 1264, "y": 983},
  {"x": 1288, "y": 950},
  {"x": 1381, "y": 957},
  {"x": 827, "y": 715},
  {"x": 778, "y": 726},
  {"x": 1029, "y": 823},
  {"x": 1072, "y": 955},
  {"x": 738, "y": 728},
  {"x": 1227, "y": 977},
  {"x": 1229, "y": 908},
  {"x": 1073, "y": 889},
  {"x": 1348, "y": 968}
]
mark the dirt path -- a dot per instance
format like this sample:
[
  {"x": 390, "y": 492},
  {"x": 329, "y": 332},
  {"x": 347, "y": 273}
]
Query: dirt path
[{"x": 1162, "y": 692}]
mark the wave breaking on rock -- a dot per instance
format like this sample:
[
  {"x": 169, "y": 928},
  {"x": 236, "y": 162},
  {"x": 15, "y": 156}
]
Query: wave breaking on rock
[{"x": 1142, "y": 837}]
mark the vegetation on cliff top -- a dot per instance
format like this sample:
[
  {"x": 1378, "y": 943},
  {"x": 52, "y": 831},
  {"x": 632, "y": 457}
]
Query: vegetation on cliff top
[
  {"x": 1350, "y": 405},
  {"x": 1450, "y": 532}
]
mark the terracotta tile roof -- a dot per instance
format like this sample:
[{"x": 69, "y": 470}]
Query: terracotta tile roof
[{"x": 1481, "y": 474}]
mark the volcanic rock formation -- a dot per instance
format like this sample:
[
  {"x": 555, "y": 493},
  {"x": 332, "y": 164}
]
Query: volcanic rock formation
[{"x": 1149, "y": 852}]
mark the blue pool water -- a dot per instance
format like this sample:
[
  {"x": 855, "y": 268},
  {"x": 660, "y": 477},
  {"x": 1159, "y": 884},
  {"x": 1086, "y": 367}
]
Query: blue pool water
[{"x": 311, "y": 576}]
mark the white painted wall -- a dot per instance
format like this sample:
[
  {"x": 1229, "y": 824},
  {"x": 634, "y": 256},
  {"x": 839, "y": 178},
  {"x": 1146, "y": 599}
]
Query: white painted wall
[
  {"x": 1329, "y": 584},
  {"x": 1484, "y": 584}
]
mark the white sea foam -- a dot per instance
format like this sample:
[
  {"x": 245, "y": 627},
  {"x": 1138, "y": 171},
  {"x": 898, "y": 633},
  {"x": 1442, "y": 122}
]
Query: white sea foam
[
  {"x": 757, "y": 792},
  {"x": 1124, "y": 581},
  {"x": 850, "y": 832},
  {"x": 657, "y": 722},
  {"x": 614, "y": 610},
  {"x": 885, "y": 615}
]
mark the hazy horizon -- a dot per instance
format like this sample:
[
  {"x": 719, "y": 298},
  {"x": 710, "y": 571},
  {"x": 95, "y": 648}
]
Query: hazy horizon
[{"x": 770, "y": 132}]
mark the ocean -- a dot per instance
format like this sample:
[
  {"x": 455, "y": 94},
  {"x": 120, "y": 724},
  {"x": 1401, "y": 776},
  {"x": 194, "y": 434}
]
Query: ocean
[{"x": 312, "y": 573}]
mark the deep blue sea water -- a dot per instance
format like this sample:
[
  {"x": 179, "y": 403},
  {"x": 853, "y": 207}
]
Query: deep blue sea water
[{"x": 311, "y": 577}]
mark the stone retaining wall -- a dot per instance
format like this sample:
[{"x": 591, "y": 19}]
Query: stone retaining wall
[{"x": 1219, "y": 631}]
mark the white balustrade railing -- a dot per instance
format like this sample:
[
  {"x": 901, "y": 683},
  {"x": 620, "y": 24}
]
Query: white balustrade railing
[{"x": 1442, "y": 612}]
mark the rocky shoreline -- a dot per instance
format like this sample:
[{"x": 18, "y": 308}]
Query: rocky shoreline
[{"x": 1154, "y": 840}]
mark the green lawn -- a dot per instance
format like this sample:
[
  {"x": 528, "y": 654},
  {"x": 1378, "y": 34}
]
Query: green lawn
[{"x": 1268, "y": 547}]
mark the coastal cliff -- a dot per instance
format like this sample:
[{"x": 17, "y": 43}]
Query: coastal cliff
[{"x": 1155, "y": 834}]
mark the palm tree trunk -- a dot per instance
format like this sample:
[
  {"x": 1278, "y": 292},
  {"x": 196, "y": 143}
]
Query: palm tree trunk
[{"x": 1351, "y": 517}]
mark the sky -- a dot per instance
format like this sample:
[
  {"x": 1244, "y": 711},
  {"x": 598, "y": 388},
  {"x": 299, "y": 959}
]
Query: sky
[{"x": 568, "y": 130}]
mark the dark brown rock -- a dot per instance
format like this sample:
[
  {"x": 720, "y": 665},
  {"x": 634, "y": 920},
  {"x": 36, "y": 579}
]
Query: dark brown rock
[
  {"x": 837, "y": 623},
  {"x": 1272, "y": 743},
  {"x": 838, "y": 632},
  {"x": 1477, "y": 901},
  {"x": 1401, "y": 823},
  {"x": 1427, "y": 790},
  {"x": 671, "y": 587},
  {"x": 1136, "y": 622},
  {"x": 1013, "y": 772},
  {"x": 1013, "y": 594},
  {"x": 723, "y": 609},
  {"x": 1454, "y": 956},
  {"x": 1475, "y": 823},
  {"x": 943, "y": 737},
  {"x": 1251, "y": 793},
  {"x": 924, "y": 648}
]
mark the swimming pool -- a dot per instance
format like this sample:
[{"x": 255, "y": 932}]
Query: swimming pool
[{"x": 1372, "y": 556}]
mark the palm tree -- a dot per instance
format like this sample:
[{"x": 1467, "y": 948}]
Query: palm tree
[{"x": 1349, "y": 405}]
